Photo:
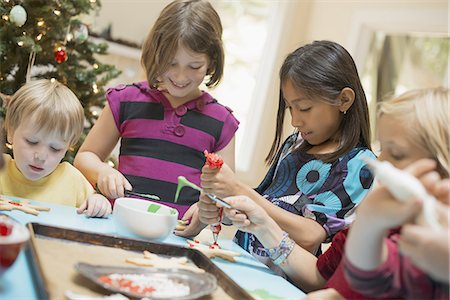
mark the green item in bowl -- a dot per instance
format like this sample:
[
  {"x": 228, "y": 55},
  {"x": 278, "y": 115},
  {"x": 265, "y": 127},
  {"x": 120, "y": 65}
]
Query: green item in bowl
[{"x": 153, "y": 208}]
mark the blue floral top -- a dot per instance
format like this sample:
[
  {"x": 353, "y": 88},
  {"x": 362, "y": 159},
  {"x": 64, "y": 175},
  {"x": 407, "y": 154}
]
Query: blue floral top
[{"x": 325, "y": 192}]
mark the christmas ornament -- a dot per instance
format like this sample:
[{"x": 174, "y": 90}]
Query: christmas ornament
[
  {"x": 18, "y": 15},
  {"x": 61, "y": 54},
  {"x": 80, "y": 33}
]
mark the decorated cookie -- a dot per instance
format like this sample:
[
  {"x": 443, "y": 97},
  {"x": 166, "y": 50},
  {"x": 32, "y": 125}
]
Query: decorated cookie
[
  {"x": 213, "y": 250},
  {"x": 22, "y": 205},
  {"x": 156, "y": 261}
]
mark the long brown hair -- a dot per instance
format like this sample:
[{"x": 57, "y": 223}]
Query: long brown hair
[
  {"x": 322, "y": 69},
  {"x": 191, "y": 23}
]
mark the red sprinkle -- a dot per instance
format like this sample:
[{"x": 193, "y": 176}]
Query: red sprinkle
[
  {"x": 105, "y": 279},
  {"x": 15, "y": 203},
  {"x": 148, "y": 290}
]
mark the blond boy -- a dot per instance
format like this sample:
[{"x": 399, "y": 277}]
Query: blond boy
[{"x": 43, "y": 119}]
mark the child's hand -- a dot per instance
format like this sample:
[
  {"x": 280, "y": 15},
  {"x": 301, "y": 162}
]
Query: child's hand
[
  {"x": 380, "y": 209},
  {"x": 208, "y": 212},
  {"x": 416, "y": 240},
  {"x": 195, "y": 226},
  {"x": 247, "y": 215},
  {"x": 221, "y": 182},
  {"x": 95, "y": 206},
  {"x": 112, "y": 183}
]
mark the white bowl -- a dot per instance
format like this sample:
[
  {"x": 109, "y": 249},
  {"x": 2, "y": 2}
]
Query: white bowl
[{"x": 143, "y": 218}]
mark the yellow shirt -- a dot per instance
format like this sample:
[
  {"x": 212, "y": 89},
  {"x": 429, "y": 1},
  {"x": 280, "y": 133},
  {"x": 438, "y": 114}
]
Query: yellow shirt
[{"x": 65, "y": 185}]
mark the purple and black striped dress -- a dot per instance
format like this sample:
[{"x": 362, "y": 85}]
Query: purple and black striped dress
[{"x": 160, "y": 143}]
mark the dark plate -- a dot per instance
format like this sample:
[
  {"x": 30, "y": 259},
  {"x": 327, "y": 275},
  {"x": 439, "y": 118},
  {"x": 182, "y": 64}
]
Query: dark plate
[{"x": 200, "y": 284}]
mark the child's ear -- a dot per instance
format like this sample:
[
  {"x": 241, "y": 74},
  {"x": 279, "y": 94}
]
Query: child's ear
[
  {"x": 9, "y": 136},
  {"x": 347, "y": 97}
]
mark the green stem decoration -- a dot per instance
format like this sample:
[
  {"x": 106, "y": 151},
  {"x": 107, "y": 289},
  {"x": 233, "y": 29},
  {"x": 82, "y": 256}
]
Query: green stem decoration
[{"x": 182, "y": 182}]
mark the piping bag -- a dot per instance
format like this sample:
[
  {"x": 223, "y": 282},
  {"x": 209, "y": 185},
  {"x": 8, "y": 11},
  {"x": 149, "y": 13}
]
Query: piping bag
[{"x": 213, "y": 161}]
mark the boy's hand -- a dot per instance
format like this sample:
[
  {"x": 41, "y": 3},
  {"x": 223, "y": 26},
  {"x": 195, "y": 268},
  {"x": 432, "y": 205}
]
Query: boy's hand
[
  {"x": 96, "y": 206},
  {"x": 195, "y": 226},
  {"x": 112, "y": 183},
  {"x": 219, "y": 181}
]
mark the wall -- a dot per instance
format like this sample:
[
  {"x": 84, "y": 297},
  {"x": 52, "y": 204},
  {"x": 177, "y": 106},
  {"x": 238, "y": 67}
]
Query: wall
[{"x": 296, "y": 22}]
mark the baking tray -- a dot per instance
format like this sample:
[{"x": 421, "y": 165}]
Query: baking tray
[{"x": 41, "y": 286}]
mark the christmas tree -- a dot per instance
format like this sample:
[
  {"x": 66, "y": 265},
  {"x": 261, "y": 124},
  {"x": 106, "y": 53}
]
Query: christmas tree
[{"x": 47, "y": 39}]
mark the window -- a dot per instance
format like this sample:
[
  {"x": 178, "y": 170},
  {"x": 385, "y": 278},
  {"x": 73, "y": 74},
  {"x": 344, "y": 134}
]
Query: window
[
  {"x": 246, "y": 25},
  {"x": 397, "y": 63}
]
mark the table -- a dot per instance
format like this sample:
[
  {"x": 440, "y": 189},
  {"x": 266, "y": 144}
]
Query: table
[{"x": 255, "y": 277}]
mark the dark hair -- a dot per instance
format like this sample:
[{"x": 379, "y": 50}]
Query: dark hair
[
  {"x": 191, "y": 23},
  {"x": 323, "y": 69}
]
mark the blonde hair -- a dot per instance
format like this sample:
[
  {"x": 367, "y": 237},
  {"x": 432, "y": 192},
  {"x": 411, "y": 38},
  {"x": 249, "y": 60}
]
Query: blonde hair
[
  {"x": 50, "y": 105},
  {"x": 193, "y": 24},
  {"x": 426, "y": 113}
]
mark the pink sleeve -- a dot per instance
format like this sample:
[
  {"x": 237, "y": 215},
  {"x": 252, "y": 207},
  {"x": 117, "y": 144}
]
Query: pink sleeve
[
  {"x": 113, "y": 98},
  {"x": 383, "y": 282},
  {"x": 230, "y": 126}
]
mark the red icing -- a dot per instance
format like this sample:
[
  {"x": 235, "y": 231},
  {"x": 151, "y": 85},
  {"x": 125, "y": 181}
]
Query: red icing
[
  {"x": 5, "y": 229},
  {"x": 216, "y": 228},
  {"x": 213, "y": 161}
]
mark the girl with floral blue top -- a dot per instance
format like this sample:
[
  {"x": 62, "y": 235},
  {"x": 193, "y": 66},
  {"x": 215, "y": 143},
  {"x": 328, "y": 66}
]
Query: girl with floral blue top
[{"x": 317, "y": 176}]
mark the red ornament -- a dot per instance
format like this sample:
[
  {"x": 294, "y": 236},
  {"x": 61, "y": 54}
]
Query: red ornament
[{"x": 61, "y": 55}]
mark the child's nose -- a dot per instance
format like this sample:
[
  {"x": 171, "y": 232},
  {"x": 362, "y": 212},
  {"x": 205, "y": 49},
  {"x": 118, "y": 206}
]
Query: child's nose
[
  {"x": 40, "y": 155},
  {"x": 180, "y": 74},
  {"x": 296, "y": 121}
]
